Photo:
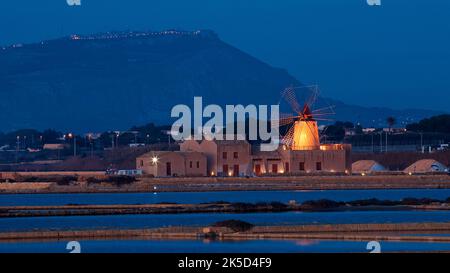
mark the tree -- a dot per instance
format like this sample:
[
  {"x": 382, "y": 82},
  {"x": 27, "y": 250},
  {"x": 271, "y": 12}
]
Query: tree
[
  {"x": 50, "y": 136},
  {"x": 391, "y": 122},
  {"x": 337, "y": 131},
  {"x": 436, "y": 124}
]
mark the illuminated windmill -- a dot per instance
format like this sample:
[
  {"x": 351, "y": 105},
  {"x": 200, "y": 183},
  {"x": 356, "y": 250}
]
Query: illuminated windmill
[{"x": 303, "y": 132}]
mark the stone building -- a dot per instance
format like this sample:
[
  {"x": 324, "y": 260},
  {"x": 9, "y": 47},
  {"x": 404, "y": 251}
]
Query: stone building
[
  {"x": 166, "y": 164},
  {"x": 224, "y": 157},
  {"x": 333, "y": 158}
]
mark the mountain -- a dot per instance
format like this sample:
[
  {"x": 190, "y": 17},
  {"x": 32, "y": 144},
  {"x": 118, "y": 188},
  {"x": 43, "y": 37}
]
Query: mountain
[{"x": 112, "y": 81}]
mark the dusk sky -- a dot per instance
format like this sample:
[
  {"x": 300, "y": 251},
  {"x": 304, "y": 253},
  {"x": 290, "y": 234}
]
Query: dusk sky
[{"x": 396, "y": 55}]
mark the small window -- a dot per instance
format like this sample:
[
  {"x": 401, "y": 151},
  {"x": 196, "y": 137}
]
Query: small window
[
  {"x": 224, "y": 155},
  {"x": 235, "y": 155},
  {"x": 319, "y": 166},
  {"x": 198, "y": 164},
  {"x": 301, "y": 166},
  {"x": 141, "y": 163},
  {"x": 190, "y": 164}
]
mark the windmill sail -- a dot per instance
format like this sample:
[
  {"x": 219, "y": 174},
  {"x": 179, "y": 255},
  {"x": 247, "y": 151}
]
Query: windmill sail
[{"x": 303, "y": 133}]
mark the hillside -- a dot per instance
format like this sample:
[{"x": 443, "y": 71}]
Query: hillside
[{"x": 115, "y": 80}]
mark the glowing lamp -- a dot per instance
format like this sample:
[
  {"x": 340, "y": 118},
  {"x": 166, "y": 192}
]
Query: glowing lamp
[{"x": 155, "y": 160}]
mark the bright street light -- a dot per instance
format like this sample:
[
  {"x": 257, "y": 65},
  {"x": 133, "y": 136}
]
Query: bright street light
[{"x": 155, "y": 160}]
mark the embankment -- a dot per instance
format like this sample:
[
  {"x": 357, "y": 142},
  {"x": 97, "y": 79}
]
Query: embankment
[
  {"x": 225, "y": 207},
  {"x": 356, "y": 232},
  {"x": 195, "y": 184}
]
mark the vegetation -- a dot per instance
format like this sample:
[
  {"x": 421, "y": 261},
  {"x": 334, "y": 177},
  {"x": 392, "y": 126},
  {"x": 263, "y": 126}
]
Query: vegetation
[
  {"x": 118, "y": 180},
  {"x": 391, "y": 122},
  {"x": 59, "y": 179},
  {"x": 320, "y": 204},
  {"x": 337, "y": 130},
  {"x": 436, "y": 124},
  {"x": 235, "y": 225},
  {"x": 330, "y": 204},
  {"x": 31, "y": 138}
]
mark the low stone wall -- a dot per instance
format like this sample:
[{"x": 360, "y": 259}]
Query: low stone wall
[
  {"x": 174, "y": 184},
  {"x": 382, "y": 177}
]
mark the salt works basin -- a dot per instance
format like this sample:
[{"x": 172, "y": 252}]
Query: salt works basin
[
  {"x": 204, "y": 197},
  {"x": 199, "y": 246},
  {"x": 205, "y": 219}
]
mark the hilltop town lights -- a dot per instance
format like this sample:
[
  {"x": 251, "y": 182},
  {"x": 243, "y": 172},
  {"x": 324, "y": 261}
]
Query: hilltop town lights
[{"x": 213, "y": 129}]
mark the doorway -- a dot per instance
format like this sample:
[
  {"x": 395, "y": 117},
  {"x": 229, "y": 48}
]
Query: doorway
[
  {"x": 258, "y": 169},
  {"x": 274, "y": 168},
  {"x": 236, "y": 170}
]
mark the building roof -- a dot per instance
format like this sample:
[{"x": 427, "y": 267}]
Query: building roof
[
  {"x": 54, "y": 146},
  {"x": 266, "y": 154},
  {"x": 162, "y": 153},
  {"x": 231, "y": 142},
  {"x": 426, "y": 165},
  {"x": 367, "y": 166}
]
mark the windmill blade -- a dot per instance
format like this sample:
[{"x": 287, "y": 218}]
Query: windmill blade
[
  {"x": 322, "y": 114},
  {"x": 289, "y": 136},
  {"x": 324, "y": 134},
  {"x": 289, "y": 96},
  {"x": 286, "y": 119},
  {"x": 324, "y": 119},
  {"x": 321, "y": 110},
  {"x": 314, "y": 95}
]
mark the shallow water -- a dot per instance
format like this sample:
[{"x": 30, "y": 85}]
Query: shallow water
[
  {"x": 204, "y": 219},
  {"x": 199, "y": 246},
  {"x": 203, "y": 197}
]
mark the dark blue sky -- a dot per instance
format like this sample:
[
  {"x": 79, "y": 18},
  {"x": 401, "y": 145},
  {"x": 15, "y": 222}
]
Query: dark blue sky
[{"x": 396, "y": 55}]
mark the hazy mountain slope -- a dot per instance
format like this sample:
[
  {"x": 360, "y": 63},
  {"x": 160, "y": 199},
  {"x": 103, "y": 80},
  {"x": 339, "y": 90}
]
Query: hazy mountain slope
[{"x": 114, "y": 81}]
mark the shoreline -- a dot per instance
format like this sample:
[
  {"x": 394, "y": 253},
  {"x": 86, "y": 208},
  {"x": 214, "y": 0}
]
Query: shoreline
[
  {"x": 221, "y": 207},
  {"x": 207, "y": 184},
  {"x": 406, "y": 232}
]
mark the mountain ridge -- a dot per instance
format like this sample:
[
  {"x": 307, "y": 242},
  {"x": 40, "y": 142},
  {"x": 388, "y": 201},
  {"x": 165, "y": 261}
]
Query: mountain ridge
[{"x": 115, "y": 80}]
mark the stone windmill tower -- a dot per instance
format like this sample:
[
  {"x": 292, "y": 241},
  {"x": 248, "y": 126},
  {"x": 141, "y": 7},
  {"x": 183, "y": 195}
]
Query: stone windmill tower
[{"x": 303, "y": 132}]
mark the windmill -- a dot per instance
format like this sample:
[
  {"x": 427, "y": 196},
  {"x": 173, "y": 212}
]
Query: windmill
[{"x": 303, "y": 132}]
